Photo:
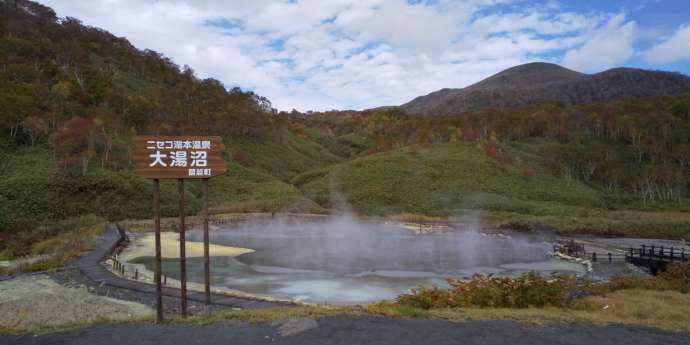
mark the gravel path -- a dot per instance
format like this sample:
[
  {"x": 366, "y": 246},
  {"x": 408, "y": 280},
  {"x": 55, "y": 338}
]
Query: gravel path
[{"x": 358, "y": 330}]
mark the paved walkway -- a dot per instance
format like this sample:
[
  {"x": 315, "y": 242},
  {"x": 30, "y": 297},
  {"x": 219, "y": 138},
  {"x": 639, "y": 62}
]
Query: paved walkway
[
  {"x": 91, "y": 267},
  {"x": 358, "y": 330}
]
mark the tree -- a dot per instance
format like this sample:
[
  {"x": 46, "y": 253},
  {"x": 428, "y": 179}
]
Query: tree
[
  {"x": 34, "y": 127},
  {"x": 73, "y": 141},
  {"x": 104, "y": 139},
  {"x": 62, "y": 90}
]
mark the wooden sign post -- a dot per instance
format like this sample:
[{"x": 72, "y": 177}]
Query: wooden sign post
[{"x": 179, "y": 157}]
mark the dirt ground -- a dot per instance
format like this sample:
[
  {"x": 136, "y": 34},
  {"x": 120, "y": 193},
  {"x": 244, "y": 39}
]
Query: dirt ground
[{"x": 34, "y": 301}]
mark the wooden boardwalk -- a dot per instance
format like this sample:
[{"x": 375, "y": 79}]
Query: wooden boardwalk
[
  {"x": 653, "y": 258},
  {"x": 90, "y": 266}
]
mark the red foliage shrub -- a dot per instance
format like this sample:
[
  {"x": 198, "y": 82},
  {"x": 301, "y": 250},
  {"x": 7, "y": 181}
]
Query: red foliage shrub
[
  {"x": 529, "y": 173},
  {"x": 496, "y": 153},
  {"x": 243, "y": 158}
]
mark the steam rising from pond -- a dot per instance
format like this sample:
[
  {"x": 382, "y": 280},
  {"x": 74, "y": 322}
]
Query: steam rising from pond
[{"x": 343, "y": 260}]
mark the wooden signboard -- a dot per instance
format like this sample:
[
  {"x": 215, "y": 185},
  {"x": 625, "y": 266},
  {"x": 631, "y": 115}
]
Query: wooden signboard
[
  {"x": 161, "y": 157},
  {"x": 179, "y": 157}
]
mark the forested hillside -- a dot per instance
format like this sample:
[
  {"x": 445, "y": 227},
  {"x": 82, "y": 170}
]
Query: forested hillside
[
  {"x": 617, "y": 167},
  {"x": 540, "y": 82},
  {"x": 636, "y": 146},
  {"x": 72, "y": 97}
]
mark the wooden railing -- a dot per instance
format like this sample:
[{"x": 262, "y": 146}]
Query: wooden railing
[{"x": 654, "y": 258}]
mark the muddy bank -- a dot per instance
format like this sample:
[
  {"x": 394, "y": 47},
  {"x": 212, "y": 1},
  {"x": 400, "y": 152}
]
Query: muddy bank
[{"x": 144, "y": 245}]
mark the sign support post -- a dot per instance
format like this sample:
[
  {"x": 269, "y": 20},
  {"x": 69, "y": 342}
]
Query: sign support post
[
  {"x": 207, "y": 270},
  {"x": 157, "y": 226},
  {"x": 183, "y": 256},
  {"x": 179, "y": 157}
]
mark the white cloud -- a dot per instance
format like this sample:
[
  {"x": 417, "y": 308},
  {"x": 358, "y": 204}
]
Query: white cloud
[
  {"x": 354, "y": 54},
  {"x": 605, "y": 47},
  {"x": 676, "y": 48}
]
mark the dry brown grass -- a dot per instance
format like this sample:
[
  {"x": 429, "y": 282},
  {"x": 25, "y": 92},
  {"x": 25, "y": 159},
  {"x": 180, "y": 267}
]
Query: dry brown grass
[
  {"x": 56, "y": 249},
  {"x": 668, "y": 310},
  {"x": 270, "y": 314},
  {"x": 663, "y": 309},
  {"x": 70, "y": 242}
]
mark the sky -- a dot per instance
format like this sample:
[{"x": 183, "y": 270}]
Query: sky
[{"x": 359, "y": 54}]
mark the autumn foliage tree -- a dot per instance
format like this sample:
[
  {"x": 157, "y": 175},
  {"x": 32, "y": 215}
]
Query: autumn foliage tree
[
  {"x": 34, "y": 127},
  {"x": 73, "y": 141}
]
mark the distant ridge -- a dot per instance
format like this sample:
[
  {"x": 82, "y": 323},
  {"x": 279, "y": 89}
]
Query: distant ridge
[{"x": 542, "y": 82}]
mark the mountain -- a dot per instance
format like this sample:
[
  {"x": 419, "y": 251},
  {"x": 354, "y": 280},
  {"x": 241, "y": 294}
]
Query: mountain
[{"x": 545, "y": 82}]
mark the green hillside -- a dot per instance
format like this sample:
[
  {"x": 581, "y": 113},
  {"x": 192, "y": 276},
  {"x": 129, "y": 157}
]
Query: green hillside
[
  {"x": 447, "y": 180},
  {"x": 284, "y": 157},
  {"x": 72, "y": 97},
  {"x": 438, "y": 179}
]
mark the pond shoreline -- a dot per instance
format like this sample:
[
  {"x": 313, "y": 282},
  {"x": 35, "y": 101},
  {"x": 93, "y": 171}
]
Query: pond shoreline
[
  {"x": 380, "y": 275},
  {"x": 536, "y": 227}
]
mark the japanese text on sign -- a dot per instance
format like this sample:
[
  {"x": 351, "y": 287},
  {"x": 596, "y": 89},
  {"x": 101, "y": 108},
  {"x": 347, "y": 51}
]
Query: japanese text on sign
[
  {"x": 196, "y": 160},
  {"x": 179, "y": 157}
]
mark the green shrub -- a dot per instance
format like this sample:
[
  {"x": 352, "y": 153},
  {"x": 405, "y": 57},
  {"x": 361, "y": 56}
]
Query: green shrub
[
  {"x": 623, "y": 282},
  {"x": 676, "y": 277},
  {"x": 534, "y": 290},
  {"x": 7, "y": 254},
  {"x": 528, "y": 290}
]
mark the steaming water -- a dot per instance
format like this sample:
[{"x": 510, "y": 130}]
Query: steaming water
[{"x": 347, "y": 262}]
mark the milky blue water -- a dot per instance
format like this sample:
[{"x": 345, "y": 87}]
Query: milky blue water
[{"x": 346, "y": 262}]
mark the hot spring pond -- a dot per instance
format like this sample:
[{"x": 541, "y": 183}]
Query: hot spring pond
[{"x": 347, "y": 262}]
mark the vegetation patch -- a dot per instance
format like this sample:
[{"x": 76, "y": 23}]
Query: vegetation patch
[
  {"x": 54, "y": 244},
  {"x": 659, "y": 301}
]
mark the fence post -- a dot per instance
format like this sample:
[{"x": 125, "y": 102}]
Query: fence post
[
  {"x": 609, "y": 257},
  {"x": 672, "y": 254},
  {"x": 165, "y": 279},
  {"x": 661, "y": 253},
  {"x": 594, "y": 256},
  {"x": 136, "y": 274},
  {"x": 650, "y": 262}
]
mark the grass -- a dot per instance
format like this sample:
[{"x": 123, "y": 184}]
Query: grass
[
  {"x": 73, "y": 325},
  {"x": 649, "y": 224},
  {"x": 34, "y": 192},
  {"x": 58, "y": 242},
  {"x": 270, "y": 314},
  {"x": 346, "y": 146},
  {"x": 247, "y": 190},
  {"x": 437, "y": 179},
  {"x": 297, "y": 174},
  {"x": 283, "y": 158},
  {"x": 37, "y": 192},
  {"x": 447, "y": 180},
  {"x": 660, "y": 309}
]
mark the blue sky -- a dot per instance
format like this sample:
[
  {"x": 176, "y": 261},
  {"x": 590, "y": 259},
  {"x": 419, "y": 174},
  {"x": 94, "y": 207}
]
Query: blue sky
[{"x": 357, "y": 54}]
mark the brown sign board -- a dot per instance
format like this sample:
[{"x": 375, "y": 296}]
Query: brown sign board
[{"x": 176, "y": 157}]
